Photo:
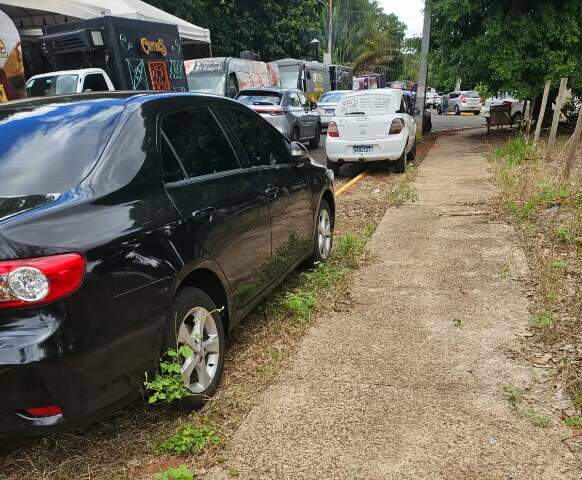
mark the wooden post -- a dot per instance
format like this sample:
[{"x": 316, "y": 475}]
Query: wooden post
[
  {"x": 542, "y": 111},
  {"x": 529, "y": 116},
  {"x": 423, "y": 73},
  {"x": 572, "y": 147},
  {"x": 556, "y": 119}
]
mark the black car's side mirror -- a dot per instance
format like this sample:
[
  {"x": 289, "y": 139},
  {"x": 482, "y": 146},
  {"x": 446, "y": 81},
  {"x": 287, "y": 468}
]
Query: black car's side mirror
[{"x": 299, "y": 153}]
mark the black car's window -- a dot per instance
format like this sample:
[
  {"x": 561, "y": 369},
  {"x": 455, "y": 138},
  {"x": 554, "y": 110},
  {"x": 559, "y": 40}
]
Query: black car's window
[
  {"x": 199, "y": 142},
  {"x": 95, "y": 83},
  {"x": 52, "y": 147},
  {"x": 261, "y": 145},
  {"x": 173, "y": 170}
]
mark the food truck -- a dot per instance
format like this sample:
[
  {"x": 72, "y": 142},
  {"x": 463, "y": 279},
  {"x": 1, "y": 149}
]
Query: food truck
[
  {"x": 135, "y": 54},
  {"x": 310, "y": 77},
  {"x": 11, "y": 66},
  {"x": 225, "y": 76},
  {"x": 341, "y": 77}
]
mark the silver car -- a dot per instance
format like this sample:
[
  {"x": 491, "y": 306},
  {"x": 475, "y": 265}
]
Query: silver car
[
  {"x": 287, "y": 110},
  {"x": 465, "y": 101},
  {"x": 328, "y": 103}
]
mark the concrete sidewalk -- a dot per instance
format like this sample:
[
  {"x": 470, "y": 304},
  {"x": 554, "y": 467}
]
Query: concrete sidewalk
[{"x": 393, "y": 389}]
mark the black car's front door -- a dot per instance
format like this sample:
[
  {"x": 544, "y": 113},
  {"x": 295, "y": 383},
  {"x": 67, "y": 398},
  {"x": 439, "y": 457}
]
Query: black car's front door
[
  {"x": 285, "y": 186},
  {"x": 220, "y": 201}
]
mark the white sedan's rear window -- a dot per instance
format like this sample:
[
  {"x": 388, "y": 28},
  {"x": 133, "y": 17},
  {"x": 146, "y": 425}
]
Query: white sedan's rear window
[{"x": 368, "y": 104}]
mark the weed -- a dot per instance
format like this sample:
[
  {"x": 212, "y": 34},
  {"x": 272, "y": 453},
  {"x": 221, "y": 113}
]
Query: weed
[
  {"x": 404, "y": 190},
  {"x": 300, "y": 304},
  {"x": 179, "y": 473},
  {"x": 558, "y": 264},
  {"x": 542, "y": 320},
  {"x": 564, "y": 233},
  {"x": 233, "y": 472},
  {"x": 576, "y": 394},
  {"x": 190, "y": 439},
  {"x": 515, "y": 396},
  {"x": 459, "y": 323},
  {"x": 516, "y": 151},
  {"x": 573, "y": 421},
  {"x": 348, "y": 248},
  {"x": 168, "y": 385},
  {"x": 505, "y": 270}
]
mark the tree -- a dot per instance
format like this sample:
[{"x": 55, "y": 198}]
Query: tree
[{"x": 509, "y": 45}]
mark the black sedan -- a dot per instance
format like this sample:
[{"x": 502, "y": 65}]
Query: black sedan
[{"x": 131, "y": 223}]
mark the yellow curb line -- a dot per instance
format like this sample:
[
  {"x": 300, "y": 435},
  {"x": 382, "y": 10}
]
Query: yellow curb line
[{"x": 350, "y": 183}]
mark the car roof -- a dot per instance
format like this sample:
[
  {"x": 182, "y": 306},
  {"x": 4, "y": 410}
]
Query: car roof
[
  {"x": 111, "y": 98},
  {"x": 67, "y": 72}
]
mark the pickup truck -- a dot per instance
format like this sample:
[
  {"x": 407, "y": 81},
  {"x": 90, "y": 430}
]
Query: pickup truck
[{"x": 69, "y": 81}]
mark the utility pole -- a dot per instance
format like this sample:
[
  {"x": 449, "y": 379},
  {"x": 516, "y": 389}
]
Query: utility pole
[
  {"x": 329, "y": 28},
  {"x": 423, "y": 73}
]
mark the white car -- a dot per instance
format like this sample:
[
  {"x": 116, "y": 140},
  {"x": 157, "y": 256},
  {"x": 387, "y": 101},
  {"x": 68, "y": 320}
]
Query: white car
[
  {"x": 66, "y": 82},
  {"x": 517, "y": 107},
  {"x": 328, "y": 103},
  {"x": 371, "y": 126}
]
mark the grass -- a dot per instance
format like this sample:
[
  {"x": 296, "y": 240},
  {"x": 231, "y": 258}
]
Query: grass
[
  {"x": 404, "y": 190},
  {"x": 190, "y": 439},
  {"x": 459, "y": 323},
  {"x": 573, "y": 421},
  {"x": 516, "y": 398},
  {"x": 547, "y": 212},
  {"x": 178, "y": 473}
]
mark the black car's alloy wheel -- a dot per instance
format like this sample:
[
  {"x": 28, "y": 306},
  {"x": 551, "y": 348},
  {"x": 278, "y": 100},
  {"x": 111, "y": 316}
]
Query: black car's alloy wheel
[
  {"x": 199, "y": 326},
  {"x": 323, "y": 240}
]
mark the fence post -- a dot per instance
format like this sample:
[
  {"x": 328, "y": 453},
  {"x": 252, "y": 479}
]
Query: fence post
[
  {"x": 542, "y": 111},
  {"x": 556, "y": 120},
  {"x": 572, "y": 147}
]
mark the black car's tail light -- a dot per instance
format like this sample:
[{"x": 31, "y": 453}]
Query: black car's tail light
[
  {"x": 396, "y": 126},
  {"x": 332, "y": 130},
  {"x": 47, "y": 411},
  {"x": 37, "y": 281}
]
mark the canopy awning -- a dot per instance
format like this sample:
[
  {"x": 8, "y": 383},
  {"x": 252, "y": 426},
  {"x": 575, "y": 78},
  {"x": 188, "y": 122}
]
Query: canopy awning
[{"x": 30, "y": 14}]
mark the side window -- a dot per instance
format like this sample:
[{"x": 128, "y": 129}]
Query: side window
[
  {"x": 294, "y": 100},
  {"x": 95, "y": 82},
  {"x": 303, "y": 100},
  {"x": 261, "y": 145},
  {"x": 173, "y": 170},
  {"x": 198, "y": 142}
]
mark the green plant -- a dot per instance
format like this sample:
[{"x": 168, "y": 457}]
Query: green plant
[
  {"x": 573, "y": 421},
  {"x": 558, "y": 264},
  {"x": 167, "y": 384},
  {"x": 515, "y": 396},
  {"x": 564, "y": 233},
  {"x": 233, "y": 472},
  {"x": 516, "y": 151},
  {"x": 542, "y": 320},
  {"x": 178, "y": 473},
  {"x": 301, "y": 304},
  {"x": 348, "y": 248},
  {"x": 505, "y": 270},
  {"x": 459, "y": 323},
  {"x": 190, "y": 439}
]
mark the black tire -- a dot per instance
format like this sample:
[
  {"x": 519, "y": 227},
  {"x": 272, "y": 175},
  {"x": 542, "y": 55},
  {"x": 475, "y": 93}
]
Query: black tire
[
  {"x": 334, "y": 167},
  {"x": 187, "y": 299},
  {"x": 317, "y": 254},
  {"x": 411, "y": 156},
  {"x": 399, "y": 166},
  {"x": 476, "y": 113},
  {"x": 314, "y": 142},
  {"x": 457, "y": 110}
]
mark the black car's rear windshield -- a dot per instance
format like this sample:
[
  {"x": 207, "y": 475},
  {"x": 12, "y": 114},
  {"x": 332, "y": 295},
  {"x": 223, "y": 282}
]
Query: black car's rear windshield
[
  {"x": 259, "y": 98},
  {"x": 50, "y": 148}
]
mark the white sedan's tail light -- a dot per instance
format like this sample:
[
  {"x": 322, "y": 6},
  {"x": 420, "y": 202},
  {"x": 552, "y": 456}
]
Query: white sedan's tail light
[
  {"x": 396, "y": 126},
  {"x": 332, "y": 130},
  {"x": 38, "y": 281}
]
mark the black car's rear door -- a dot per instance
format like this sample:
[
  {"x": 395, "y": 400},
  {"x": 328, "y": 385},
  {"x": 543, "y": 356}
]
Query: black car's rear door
[
  {"x": 221, "y": 201},
  {"x": 285, "y": 186}
]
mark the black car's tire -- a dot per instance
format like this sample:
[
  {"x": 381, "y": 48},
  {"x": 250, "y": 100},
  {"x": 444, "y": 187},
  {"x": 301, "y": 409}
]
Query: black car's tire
[
  {"x": 399, "y": 166},
  {"x": 192, "y": 306},
  {"x": 411, "y": 156},
  {"x": 323, "y": 235},
  {"x": 314, "y": 142},
  {"x": 457, "y": 110},
  {"x": 334, "y": 167}
]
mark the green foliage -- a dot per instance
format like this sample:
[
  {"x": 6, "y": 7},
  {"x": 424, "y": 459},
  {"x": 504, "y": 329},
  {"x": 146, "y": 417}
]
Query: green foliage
[
  {"x": 516, "y": 398},
  {"x": 573, "y": 421},
  {"x": 190, "y": 439},
  {"x": 458, "y": 323},
  {"x": 300, "y": 304},
  {"x": 167, "y": 384},
  {"x": 516, "y": 151},
  {"x": 542, "y": 320},
  {"x": 348, "y": 249},
  {"x": 233, "y": 472},
  {"x": 509, "y": 46},
  {"x": 558, "y": 264},
  {"x": 178, "y": 473}
]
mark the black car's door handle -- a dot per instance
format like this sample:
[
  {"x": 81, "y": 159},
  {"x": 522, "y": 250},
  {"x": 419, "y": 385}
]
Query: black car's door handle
[
  {"x": 204, "y": 212},
  {"x": 271, "y": 193}
]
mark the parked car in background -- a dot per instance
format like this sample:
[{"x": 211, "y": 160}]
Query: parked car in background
[
  {"x": 287, "y": 110},
  {"x": 517, "y": 107},
  {"x": 430, "y": 99},
  {"x": 328, "y": 103},
  {"x": 372, "y": 126},
  {"x": 66, "y": 82},
  {"x": 465, "y": 101},
  {"x": 226, "y": 76},
  {"x": 134, "y": 223}
]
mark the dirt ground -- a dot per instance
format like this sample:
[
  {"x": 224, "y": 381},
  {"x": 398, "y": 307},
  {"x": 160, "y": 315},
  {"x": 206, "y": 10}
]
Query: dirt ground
[{"x": 421, "y": 377}]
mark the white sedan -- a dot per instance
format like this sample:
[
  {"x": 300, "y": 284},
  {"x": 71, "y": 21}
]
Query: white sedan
[{"x": 371, "y": 126}]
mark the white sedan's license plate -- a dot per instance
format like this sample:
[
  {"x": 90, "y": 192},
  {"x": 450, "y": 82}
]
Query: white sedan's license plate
[{"x": 362, "y": 148}]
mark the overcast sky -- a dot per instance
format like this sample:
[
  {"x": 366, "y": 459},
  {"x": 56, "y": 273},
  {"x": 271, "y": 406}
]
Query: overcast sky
[{"x": 408, "y": 11}]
